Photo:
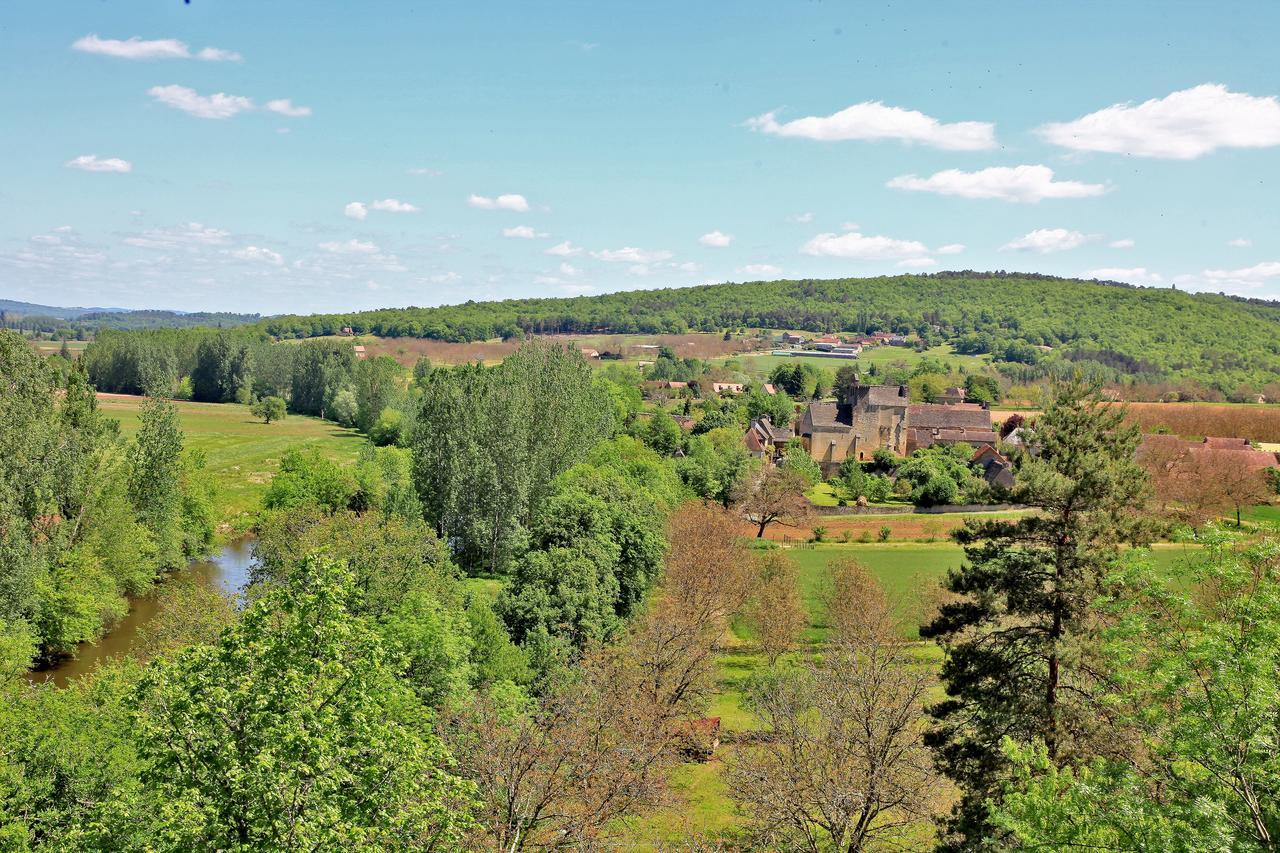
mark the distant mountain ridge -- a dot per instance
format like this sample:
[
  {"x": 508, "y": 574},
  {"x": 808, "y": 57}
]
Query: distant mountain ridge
[{"x": 49, "y": 318}]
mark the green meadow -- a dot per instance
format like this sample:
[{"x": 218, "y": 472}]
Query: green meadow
[{"x": 241, "y": 452}]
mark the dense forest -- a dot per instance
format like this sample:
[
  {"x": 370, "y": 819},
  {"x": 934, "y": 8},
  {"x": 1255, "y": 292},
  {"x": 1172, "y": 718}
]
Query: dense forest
[
  {"x": 82, "y": 323},
  {"x": 1172, "y": 333}
]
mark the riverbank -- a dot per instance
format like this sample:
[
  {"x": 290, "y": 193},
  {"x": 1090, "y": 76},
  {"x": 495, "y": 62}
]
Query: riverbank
[{"x": 226, "y": 569}]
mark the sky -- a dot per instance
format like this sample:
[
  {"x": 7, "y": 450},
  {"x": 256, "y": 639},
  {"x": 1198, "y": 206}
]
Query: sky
[{"x": 291, "y": 157}]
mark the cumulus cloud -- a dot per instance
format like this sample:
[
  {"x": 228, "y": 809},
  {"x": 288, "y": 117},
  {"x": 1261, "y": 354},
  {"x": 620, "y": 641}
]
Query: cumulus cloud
[
  {"x": 568, "y": 269},
  {"x": 873, "y": 121},
  {"x": 356, "y": 210},
  {"x": 1181, "y": 126},
  {"x": 286, "y": 107},
  {"x": 350, "y": 247},
  {"x": 760, "y": 269},
  {"x": 716, "y": 239},
  {"x": 92, "y": 163},
  {"x": 393, "y": 205},
  {"x": 852, "y": 244},
  {"x": 510, "y": 201},
  {"x": 258, "y": 254},
  {"x": 139, "y": 48},
  {"x": 1017, "y": 184},
  {"x": 521, "y": 232},
  {"x": 217, "y": 106},
  {"x": 1248, "y": 276},
  {"x": 802, "y": 218},
  {"x": 1131, "y": 275},
  {"x": 1044, "y": 241},
  {"x": 564, "y": 250},
  {"x": 950, "y": 249},
  {"x": 1237, "y": 243},
  {"x": 1126, "y": 243},
  {"x": 631, "y": 255}
]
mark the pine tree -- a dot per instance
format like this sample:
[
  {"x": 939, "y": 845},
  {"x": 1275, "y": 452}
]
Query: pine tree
[{"x": 1012, "y": 634}]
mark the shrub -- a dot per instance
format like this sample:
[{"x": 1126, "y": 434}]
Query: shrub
[
  {"x": 885, "y": 532},
  {"x": 269, "y": 409}
]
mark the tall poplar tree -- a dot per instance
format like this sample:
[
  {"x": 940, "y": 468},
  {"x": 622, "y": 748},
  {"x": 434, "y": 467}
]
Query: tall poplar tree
[{"x": 1013, "y": 635}]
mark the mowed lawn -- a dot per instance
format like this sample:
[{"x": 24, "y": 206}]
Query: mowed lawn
[{"x": 241, "y": 452}]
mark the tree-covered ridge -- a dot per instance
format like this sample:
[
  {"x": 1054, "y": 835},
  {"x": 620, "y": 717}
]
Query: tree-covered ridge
[{"x": 1171, "y": 331}]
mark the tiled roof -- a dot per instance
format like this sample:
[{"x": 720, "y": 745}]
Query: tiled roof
[
  {"x": 887, "y": 395},
  {"x": 966, "y": 416}
]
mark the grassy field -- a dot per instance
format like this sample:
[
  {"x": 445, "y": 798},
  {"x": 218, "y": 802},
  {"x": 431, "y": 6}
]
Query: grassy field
[
  {"x": 241, "y": 452},
  {"x": 702, "y": 803},
  {"x": 880, "y": 356}
]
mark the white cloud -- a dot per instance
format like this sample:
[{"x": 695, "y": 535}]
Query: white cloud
[
  {"x": 1132, "y": 275},
  {"x": 716, "y": 239},
  {"x": 92, "y": 163},
  {"x": 356, "y": 210},
  {"x": 139, "y": 48},
  {"x": 872, "y": 121},
  {"x": 802, "y": 218},
  {"x": 350, "y": 247},
  {"x": 760, "y": 270},
  {"x": 1248, "y": 276},
  {"x": 393, "y": 205},
  {"x": 522, "y": 232},
  {"x": 215, "y": 106},
  {"x": 1126, "y": 243},
  {"x": 192, "y": 234},
  {"x": 1181, "y": 126},
  {"x": 1016, "y": 184},
  {"x": 917, "y": 263},
  {"x": 568, "y": 269},
  {"x": 217, "y": 54},
  {"x": 510, "y": 201},
  {"x": 286, "y": 107},
  {"x": 950, "y": 249},
  {"x": 1044, "y": 241},
  {"x": 631, "y": 255},
  {"x": 850, "y": 226},
  {"x": 851, "y": 244},
  {"x": 1240, "y": 243},
  {"x": 430, "y": 173},
  {"x": 257, "y": 253},
  {"x": 564, "y": 250}
]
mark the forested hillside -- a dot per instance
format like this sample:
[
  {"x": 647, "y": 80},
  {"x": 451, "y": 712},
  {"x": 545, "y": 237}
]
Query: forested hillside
[{"x": 1160, "y": 333}]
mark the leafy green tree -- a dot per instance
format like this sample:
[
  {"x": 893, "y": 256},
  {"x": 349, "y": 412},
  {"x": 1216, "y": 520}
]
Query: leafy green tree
[
  {"x": 344, "y": 407},
  {"x": 155, "y": 472},
  {"x": 779, "y": 408},
  {"x": 321, "y": 369},
  {"x": 293, "y": 732},
  {"x": 269, "y": 409},
  {"x": 663, "y": 434},
  {"x": 308, "y": 478},
  {"x": 223, "y": 369},
  {"x": 1191, "y": 663},
  {"x": 1023, "y": 595},
  {"x": 852, "y": 478},
  {"x": 378, "y": 383},
  {"x": 798, "y": 459}
]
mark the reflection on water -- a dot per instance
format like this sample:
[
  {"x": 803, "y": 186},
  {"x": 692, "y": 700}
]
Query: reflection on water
[{"x": 227, "y": 569}]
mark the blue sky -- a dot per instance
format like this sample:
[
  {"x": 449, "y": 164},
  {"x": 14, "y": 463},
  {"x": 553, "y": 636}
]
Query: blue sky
[{"x": 309, "y": 156}]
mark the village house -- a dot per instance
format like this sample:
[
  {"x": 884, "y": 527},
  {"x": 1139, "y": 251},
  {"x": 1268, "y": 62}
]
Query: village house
[
  {"x": 996, "y": 469},
  {"x": 879, "y": 417},
  {"x": 727, "y": 387},
  {"x": 769, "y": 388},
  {"x": 790, "y": 338},
  {"x": 1215, "y": 448},
  {"x": 764, "y": 440},
  {"x": 359, "y": 351},
  {"x": 951, "y": 396}
]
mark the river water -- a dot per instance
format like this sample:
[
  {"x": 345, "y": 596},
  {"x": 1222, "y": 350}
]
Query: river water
[{"x": 227, "y": 569}]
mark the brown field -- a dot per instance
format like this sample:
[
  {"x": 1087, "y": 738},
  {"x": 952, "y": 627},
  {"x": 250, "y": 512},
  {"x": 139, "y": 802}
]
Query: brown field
[
  {"x": 1196, "y": 420},
  {"x": 407, "y": 351}
]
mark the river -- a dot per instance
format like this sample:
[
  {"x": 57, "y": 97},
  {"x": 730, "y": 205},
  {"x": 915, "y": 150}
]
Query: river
[{"x": 228, "y": 569}]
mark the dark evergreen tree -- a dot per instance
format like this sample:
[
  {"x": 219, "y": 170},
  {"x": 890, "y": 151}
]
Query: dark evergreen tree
[{"x": 1013, "y": 637}]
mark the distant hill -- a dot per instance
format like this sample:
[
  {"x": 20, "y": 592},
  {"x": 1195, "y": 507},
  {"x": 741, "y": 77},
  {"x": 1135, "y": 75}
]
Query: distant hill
[
  {"x": 49, "y": 319},
  {"x": 30, "y": 309},
  {"x": 1151, "y": 335}
]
